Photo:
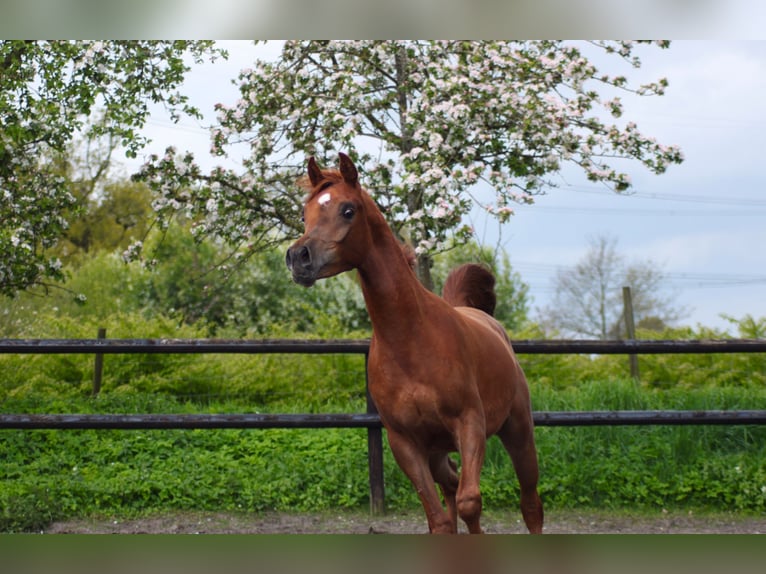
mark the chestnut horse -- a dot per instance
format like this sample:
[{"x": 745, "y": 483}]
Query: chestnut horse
[{"x": 441, "y": 371}]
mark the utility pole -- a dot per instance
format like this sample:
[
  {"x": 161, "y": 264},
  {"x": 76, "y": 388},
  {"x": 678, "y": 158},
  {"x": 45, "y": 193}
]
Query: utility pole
[{"x": 630, "y": 326}]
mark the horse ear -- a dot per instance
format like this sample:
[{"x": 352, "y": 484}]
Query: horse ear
[
  {"x": 348, "y": 170},
  {"x": 315, "y": 174}
]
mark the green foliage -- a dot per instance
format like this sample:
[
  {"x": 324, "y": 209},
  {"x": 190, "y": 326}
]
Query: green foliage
[
  {"x": 663, "y": 371},
  {"x": 252, "y": 297},
  {"x": 49, "y": 475},
  {"x": 264, "y": 381},
  {"x": 718, "y": 467},
  {"x": 186, "y": 283},
  {"x": 109, "y": 221},
  {"x": 87, "y": 472},
  {"x": 749, "y": 327},
  {"x": 49, "y": 89}
]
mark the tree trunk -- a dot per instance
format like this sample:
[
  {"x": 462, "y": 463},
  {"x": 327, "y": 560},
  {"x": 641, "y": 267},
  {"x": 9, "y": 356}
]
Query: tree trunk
[{"x": 424, "y": 270}]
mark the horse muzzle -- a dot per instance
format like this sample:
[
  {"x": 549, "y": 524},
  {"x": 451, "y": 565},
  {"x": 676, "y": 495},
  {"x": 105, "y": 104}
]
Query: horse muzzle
[{"x": 301, "y": 264}]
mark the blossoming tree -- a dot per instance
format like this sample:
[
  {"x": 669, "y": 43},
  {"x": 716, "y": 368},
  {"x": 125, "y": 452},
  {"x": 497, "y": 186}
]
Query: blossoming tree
[
  {"x": 48, "y": 90},
  {"x": 425, "y": 121}
]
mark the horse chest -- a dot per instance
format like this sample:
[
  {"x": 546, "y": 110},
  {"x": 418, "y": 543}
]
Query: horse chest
[{"x": 428, "y": 401}]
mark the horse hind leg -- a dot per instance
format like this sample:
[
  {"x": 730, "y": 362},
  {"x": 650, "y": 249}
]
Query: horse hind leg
[
  {"x": 517, "y": 436},
  {"x": 444, "y": 471},
  {"x": 472, "y": 444}
]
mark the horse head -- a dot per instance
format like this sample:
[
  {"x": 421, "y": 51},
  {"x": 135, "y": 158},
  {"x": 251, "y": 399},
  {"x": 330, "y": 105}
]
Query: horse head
[{"x": 336, "y": 237}]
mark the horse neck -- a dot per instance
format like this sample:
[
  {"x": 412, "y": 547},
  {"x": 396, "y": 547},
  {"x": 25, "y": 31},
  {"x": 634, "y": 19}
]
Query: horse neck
[{"x": 392, "y": 293}]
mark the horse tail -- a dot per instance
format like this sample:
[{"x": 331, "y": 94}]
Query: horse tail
[{"x": 471, "y": 285}]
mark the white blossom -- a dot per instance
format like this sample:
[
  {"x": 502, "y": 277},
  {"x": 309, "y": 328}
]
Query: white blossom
[{"x": 457, "y": 113}]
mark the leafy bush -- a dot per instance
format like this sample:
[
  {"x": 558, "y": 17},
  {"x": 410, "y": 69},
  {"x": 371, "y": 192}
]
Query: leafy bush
[
  {"x": 657, "y": 466},
  {"x": 665, "y": 371},
  {"x": 49, "y": 475}
]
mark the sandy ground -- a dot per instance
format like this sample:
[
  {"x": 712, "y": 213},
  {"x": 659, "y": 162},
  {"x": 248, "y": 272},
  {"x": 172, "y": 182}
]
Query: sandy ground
[{"x": 557, "y": 522}]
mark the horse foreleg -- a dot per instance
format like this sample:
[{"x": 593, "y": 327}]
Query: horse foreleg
[
  {"x": 517, "y": 436},
  {"x": 415, "y": 464},
  {"x": 444, "y": 471},
  {"x": 472, "y": 444}
]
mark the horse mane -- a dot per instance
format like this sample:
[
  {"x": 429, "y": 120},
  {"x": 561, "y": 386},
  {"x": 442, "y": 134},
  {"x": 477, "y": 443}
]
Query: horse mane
[{"x": 471, "y": 285}]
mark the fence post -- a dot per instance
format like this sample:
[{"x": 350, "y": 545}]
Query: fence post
[
  {"x": 630, "y": 326},
  {"x": 374, "y": 455},
  {"x": 98, "y": 365}
]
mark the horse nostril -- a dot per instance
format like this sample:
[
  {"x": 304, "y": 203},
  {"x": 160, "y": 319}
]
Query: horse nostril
[
  {"x": 298, "y": 256},
  {"x": 304, "y": 256}
]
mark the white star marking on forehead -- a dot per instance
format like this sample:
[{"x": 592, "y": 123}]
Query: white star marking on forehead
[{"x": 324, "y": 199}]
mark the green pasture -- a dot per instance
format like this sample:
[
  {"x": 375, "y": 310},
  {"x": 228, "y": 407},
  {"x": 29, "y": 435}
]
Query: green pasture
[{"x": 47, "y": 475}]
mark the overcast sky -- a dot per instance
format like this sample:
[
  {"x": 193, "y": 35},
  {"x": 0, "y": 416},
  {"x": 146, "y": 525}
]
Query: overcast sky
[{"x": 703, "y": 222}]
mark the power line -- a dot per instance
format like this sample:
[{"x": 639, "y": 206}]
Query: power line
[
  {"x": 685, "y": 198},
  {"x": 647, "y": 212},
  {"x": 189, "y": 128},
  {"x": 686, "y": 279},
  {"x": 702, "y": 122}
]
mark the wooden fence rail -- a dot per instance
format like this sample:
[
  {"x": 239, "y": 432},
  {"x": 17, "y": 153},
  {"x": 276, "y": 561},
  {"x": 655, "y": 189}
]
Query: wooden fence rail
[
  {"x": 361, "y": 346},
  {"x": 363, "y": 420},
  {"x": 369, "y": 420}
]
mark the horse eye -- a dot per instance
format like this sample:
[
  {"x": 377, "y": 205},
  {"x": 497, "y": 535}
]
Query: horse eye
[{"x": 348, "y": 212}]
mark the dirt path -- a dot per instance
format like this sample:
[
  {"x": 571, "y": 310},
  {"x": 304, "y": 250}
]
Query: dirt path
[{"x": 345, "y": 522}]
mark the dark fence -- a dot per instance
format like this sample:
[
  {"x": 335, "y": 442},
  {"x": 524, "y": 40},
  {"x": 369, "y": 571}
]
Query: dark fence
[
  {"x": 370, "y": 419},
  {"x": 362, "y": 346},
  {"x": 364, "y": 420}
]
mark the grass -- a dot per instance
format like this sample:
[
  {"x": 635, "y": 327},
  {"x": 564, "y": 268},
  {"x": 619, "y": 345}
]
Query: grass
[{"x": 49, "y": 475}]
